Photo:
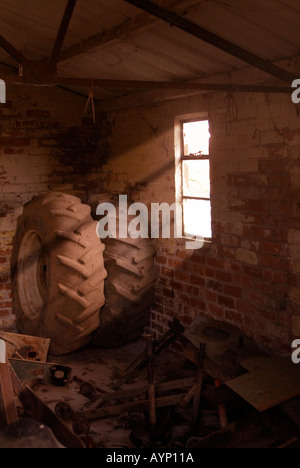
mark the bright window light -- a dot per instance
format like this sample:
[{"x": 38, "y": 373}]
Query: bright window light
[
  {"x": 197, "y": 218},
  {"x": 196, "y": 138},
  {"x": 195, "y": 179}
]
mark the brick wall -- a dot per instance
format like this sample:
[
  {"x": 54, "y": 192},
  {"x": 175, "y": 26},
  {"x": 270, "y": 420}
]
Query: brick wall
[
  {"x": 249, "y": 274},
  {"x": 46, "y": 143}
]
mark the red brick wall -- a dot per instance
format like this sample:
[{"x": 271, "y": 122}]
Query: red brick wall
[
  {"x": 249, "y": 274},
  {"x": 46, "y": 143}
]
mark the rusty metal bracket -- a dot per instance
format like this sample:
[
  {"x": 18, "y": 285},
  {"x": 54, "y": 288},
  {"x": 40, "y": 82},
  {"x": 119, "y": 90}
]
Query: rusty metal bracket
[
  {"x": 26, "y": 347},
  {"x": 50, "y": 373}
]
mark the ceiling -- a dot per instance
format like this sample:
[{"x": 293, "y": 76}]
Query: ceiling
[{"x": 154, "y": 51}]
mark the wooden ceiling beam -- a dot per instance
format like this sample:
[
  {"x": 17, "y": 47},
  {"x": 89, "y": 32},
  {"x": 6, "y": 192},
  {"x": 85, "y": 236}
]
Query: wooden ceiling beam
[
  {"x": 211, "y": 38},
  {"x": 63, "y": 29},
  {"x": 99, "y": 83},
  {"x": 121, "y": 31},
  {"x": 118, "y": 32},
  {"x": 11, "y": 50}
]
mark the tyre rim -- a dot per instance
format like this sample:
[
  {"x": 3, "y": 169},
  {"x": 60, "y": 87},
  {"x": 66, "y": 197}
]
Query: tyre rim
[{"x": 32, "y": 275}]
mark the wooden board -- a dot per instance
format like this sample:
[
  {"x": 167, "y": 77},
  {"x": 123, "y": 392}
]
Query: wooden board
[
  {"x": 8, "y": 412},
  {"x": 260, "y": 364},
  {"x": 110, "y": 411},
  {"x": 181, "y": 384},
  {"x": 271, "y": 381}
]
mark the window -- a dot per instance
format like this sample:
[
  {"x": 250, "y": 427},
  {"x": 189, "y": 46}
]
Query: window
[{"x": 193, "y": 180}]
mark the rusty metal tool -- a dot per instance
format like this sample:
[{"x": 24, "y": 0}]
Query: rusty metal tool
[
  {"x": 90, "y": 385},
  {"x": 53, "y": 374},
  {"x": 80, "y": 425},
  {"x": 64, "y": 411}
]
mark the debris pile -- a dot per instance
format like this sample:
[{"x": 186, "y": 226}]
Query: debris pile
[{"x": 226, "y": 393}]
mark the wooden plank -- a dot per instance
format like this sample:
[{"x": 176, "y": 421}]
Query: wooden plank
[
  {"x": 188, "y": 397},
  {"x": 180, "y": 384},
  {"x": 8, "y": 411},
  {"x": 11, "y": 50},
  {"x": 213, "y": 39},
  {"x": 131, "y": 407},
  {"x": 63, "y": 29},
  {"x": 270, "y": 382},
  {"x": 161, "y": 388}
]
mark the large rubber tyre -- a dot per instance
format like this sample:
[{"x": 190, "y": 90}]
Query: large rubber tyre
[
  {"x": 57, "y": 272},
  {"x": 129, "y": 287}
]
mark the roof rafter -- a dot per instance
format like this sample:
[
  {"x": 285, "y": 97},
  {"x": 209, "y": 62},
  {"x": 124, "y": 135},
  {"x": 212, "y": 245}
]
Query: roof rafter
[
  {"x": 211, "y": 38},
  {"x": 11, "y": 50},
  {"x": 63, "y": 29},
  {"x": 120, "y": 31}
]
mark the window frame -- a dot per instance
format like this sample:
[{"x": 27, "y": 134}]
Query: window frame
[{"x": 182, "y": 158}]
